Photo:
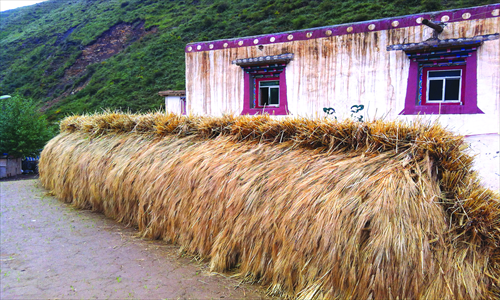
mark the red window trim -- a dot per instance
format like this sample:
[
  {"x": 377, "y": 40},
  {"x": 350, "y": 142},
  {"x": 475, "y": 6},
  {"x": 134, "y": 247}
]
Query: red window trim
[
  {"x": 257, "y": 94},
  {"x": 469, "y": 97},
  {"x": 248, "y": 87},
  {"x": 425, "y": 80}
]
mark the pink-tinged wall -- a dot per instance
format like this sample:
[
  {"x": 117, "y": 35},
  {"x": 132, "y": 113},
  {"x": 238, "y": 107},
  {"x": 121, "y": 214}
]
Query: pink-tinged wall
[{"x": 344, "y": 65}]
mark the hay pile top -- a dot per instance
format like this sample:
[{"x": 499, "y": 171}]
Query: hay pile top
[{"x": 328, "y": 134}]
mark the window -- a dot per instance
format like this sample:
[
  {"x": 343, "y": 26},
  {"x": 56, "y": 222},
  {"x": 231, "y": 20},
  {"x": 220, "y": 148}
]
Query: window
[
  {"x": 269, "y": 91},
  {"x": 265, "y": 84},
  {"x": 443, "y": 76},
  {"x": 443, "y": 85},
  {"x": 442, "y": 81}
]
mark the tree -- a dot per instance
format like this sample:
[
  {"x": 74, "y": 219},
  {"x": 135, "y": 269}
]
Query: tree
[{"x": 23, "y": 129}]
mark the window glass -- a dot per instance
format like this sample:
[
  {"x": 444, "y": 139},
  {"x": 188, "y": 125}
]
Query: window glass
[
  {"x": 264, "y": 96},
  {"x": 452, "y": 91},
  {"x": 274, "y": 96},
  {"x": 269, "y": 83},
  {"x": 435, "y": 90},
  {"x": 449, "y": 73}
]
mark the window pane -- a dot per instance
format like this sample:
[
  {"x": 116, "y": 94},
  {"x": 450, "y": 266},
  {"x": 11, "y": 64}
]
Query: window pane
[
  {"x": 269, "y": 83},
  {"x": 447, "y": 73},
  {"x": 275, "y": 93},
  {"x": 264, "y": 96},
  {"x": 452, "y": 90},
  {"x": 435, "y": 90}
]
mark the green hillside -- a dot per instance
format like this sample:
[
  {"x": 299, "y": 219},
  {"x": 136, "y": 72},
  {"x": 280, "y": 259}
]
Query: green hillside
[{"x": 82, "y": 55}]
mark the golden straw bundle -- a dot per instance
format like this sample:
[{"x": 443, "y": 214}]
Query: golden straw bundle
[{"x": 313, "y": 209}]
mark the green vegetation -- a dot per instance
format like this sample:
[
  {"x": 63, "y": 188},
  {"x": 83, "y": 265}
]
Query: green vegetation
[
  {"x": 23, "y": 129},
  {"x": 40, "y": 42}
]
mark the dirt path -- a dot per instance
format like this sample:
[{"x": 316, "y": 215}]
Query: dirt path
[{"x": 50, "y": 250}]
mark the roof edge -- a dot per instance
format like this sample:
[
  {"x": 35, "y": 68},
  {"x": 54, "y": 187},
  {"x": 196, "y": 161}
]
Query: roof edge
[
  {"x": 172, "y": 93},
  {"x": 448, "y": 16}
]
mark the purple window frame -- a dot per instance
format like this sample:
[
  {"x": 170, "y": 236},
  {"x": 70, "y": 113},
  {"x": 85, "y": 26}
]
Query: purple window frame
[
  {"x": 249, "y": 86},
  {"x": 469, "y": 96}
]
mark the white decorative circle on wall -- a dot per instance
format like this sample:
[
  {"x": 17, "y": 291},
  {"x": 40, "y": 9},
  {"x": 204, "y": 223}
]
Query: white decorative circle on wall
[
  {"x": 495, "y": 12},
  {"x": 349, "y": 29},
  {"x": 225, "y": 45},
  {"x": 290, "y": 37},
  {"x": 256, "y": 41},
  {"x": 419, "y": 20},
  {"x": 395, "y": 23},
  {"x": 466, "y": 16},
  {"x": 272, "y": 39},
  {"x": 240, "y": 43},
  {"x": 445, "y": 18},
  {"x": 309, "y": 34},
  {"x": 198, "y": 47},
  {"x": 371, "y": 26},
  {"x": 328, "y": 32},
  {"x": 190, "y": 48},
  {"x": 211, "y": 46}
]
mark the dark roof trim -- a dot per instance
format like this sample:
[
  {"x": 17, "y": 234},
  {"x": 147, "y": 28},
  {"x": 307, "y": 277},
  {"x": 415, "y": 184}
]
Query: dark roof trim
[
  {"x": 264, "y": 60},
  {"x": 172, "y": 93},
  {"x": 449, "y": 43},
  {"x": 464, "y": 14}
]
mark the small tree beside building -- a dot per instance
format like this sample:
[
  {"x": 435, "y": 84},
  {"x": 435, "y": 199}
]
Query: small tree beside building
[{"x": 24, "y": 130}]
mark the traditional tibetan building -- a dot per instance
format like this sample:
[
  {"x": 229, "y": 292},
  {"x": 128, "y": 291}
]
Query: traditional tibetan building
[{"x": 444, "y": 64}]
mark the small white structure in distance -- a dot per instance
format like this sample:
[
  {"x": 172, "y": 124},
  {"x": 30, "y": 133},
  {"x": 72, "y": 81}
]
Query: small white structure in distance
[
  {"x": 175, "y": 101},
  {"x": 10, "y": 166}
]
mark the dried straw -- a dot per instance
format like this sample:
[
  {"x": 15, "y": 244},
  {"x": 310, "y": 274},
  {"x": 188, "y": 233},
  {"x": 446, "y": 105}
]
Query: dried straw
[{"x": 312, "y": 209}]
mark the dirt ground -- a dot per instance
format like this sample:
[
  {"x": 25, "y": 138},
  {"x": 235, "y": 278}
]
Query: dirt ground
[{"x": 49, "y": 250}]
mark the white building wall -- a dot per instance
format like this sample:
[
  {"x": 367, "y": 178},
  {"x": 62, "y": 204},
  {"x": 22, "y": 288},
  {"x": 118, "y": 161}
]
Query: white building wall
[
  {"x": 174, "y": 104},
  {"x": 345, "y": 70}
]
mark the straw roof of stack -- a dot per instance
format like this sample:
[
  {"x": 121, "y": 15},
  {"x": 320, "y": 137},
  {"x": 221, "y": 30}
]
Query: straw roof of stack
[{"x": 312, "y": 209}]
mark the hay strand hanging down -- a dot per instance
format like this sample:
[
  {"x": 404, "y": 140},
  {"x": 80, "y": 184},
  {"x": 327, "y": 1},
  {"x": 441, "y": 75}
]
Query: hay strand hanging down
[{"x": 313, "y": 209}]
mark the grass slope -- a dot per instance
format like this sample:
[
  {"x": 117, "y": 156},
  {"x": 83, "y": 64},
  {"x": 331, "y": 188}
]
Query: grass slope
[{"x": 40, "y": 42}]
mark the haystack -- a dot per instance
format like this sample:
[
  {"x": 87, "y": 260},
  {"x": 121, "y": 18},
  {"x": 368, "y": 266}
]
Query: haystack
[{"x": 312, "y": 209}]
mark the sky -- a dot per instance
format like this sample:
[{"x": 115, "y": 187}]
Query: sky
[{"x": 11, "y": 4}]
